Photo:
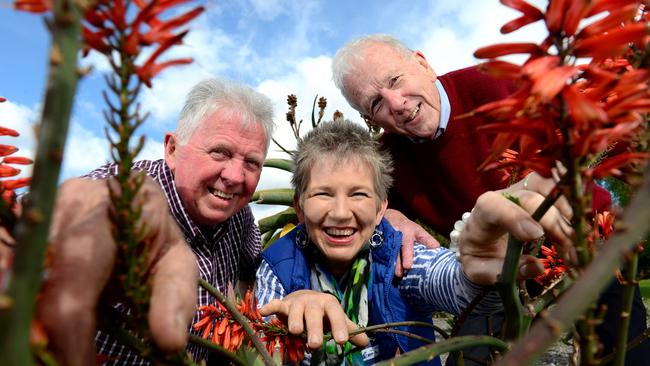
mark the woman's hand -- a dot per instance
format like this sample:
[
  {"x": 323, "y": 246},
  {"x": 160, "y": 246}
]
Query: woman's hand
[{"x": 307, "y": 310}]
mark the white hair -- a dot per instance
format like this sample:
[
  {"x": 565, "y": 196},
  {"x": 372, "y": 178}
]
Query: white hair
[
  {"x": 347, "y": 56},
  {"x": 212, "y": 94}
]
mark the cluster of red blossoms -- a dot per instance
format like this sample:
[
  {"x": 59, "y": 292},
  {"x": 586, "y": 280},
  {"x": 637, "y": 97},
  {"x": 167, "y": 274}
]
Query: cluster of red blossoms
[
  {"x": 554, "y": 266},
  {"x": 560, "y": 103},
  {"x": 9, "y": 186},
  {"x": 109, "y": 23},
  {"x": 217, "y": 324}
]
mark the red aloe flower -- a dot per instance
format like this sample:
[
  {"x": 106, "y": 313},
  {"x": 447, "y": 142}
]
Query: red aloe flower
[
  {"x": 8, "y": 186},
  {"x": 530, "y": 14},
  {"x": 217, "y": 324},
  {"x": 559, "y": 103},
  {"x": 554, "y": 266},
  {"x": 605, "y": 223},
  {"x": 109, "y": 23},
  {"x": 33, "y": 6}
]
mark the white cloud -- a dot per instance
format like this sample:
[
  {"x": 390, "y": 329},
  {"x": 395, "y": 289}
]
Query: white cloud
[{"x": 269, "y": 9}]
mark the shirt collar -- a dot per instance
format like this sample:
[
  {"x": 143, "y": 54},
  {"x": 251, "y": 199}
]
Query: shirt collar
[{"x": 445, "y": 112}]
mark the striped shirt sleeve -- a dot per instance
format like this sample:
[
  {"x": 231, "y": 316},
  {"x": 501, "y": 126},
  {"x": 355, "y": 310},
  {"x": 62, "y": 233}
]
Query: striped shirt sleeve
[
  {"x": 267, "y": 285},
  {"x": 436, "y": 282}
]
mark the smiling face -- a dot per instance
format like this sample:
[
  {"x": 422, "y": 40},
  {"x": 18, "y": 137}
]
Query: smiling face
[
  {"x": 396, "y": 92},
  {"x": 217, "y": 170},
  {"x": 340, "y": 209}
]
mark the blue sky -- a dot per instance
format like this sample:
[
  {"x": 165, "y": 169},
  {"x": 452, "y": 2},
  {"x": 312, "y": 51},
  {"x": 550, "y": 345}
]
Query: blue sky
[{"x": 276, "y": 46}]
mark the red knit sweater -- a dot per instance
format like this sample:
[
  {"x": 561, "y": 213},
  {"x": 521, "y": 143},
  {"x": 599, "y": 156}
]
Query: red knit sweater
[{"x": 436, "y": 181}]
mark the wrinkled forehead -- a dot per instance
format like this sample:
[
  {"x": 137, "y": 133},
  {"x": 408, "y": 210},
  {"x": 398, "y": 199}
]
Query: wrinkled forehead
[{"x": 370, "y": 71}]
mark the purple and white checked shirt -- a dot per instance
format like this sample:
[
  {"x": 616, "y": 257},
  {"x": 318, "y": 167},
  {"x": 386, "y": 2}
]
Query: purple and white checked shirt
[{"x": 228, "y": 255}]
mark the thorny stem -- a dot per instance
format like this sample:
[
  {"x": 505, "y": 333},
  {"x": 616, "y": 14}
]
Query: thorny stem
[
  {"x": 213, "y": 347},
  {"x": 626, "y": 308},
  {"x": 132, "y": 254},
  {"x": 517, "y": 321},
  {"x": 250, "y": 333},
  {"x": 32, "y": 230},
  {"x": 430, "y": 351}
]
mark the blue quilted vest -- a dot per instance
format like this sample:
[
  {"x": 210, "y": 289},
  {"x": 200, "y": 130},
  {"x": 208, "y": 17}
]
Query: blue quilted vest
[{"x": 290, "y": 266}]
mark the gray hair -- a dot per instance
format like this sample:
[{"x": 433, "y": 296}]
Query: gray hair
[
  {"x": 346, "y": 57},
  {"x": 212, "y": 94},
  {"x": 341, "y": 140}
]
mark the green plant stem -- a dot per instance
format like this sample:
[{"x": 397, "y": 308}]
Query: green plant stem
[
  {"x": 213, "y": 347},
  {"x": 278, "y": 221},
  {"x": 626, "y": 308},
  {"x": 586, "y": 289},
  {"x": 516, "y": 319},
  {"x": 275, "y": 196},
  {"x": 250, "y": 333},
  {"x": 283, "y": 164},
  {"x": 548, "y": 296},
  {"x": 32, "y": 229},
  {"x": 430, "y": 351}
]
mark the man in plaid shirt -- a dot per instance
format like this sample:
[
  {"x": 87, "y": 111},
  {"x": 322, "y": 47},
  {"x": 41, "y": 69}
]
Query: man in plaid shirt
[{"x": 211, "y": 168}]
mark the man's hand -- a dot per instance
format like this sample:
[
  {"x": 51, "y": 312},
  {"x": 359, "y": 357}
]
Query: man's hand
[
  {"x": 483, "y": 241},
  {"x": 82, "y": 255},
  {"x": 307, "y": 309},
  {"x": 411, "y": 232}
]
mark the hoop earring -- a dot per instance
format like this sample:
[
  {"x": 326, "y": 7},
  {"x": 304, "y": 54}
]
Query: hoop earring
[
  {"x": 377, "y": 239},
  {"x": 302, "y": 239}
]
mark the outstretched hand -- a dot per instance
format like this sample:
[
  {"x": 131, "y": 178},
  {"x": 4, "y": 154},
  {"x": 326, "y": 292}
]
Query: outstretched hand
[
  {"x": 411, "y": 233},
  {"x": 306, "y": 310},
  {"x": 483, "y": 242},
  {"x": 82, "y": 255}
]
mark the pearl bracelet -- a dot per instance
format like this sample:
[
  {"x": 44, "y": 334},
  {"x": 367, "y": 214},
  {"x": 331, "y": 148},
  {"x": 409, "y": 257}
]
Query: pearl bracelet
[{"x": 454, "y": 236}]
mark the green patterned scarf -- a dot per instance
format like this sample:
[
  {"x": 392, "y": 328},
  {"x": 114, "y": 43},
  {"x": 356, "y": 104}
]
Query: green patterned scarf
[{"x": 352, "y": 292}]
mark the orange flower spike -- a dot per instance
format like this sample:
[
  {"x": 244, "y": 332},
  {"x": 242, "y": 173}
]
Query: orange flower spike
[
  {"x": 4, "y": 131},
  {"x": 530, "y": 15},
  {"x": 206, "y": 330},
  {"x": 7, "y": 150},
  {"x": 576, "y": 12},
  {"x": 581, "y": 109},
  {"x": 223, "y": 324},
  {"x": 501, "y": 69},
  {"x": 612, "y": 43},
  {"x": 118, "y": 14},
  {"x": 12, "y": 184},
  {"x": 147, "y": 72},
  {"x": 33, "y": 6},
  {"x": 17, "y": 160},
  {"x": 178, "y": 21},
  {"x": 504, "y": 49},
  {"x": 550, "y": 85},
  {"x": 555, "y": 14},
  {"x": 226, "y": 339},
  {"x": 539, "y": 67},
  {"x": 202, "y": 322},
  {"x": 610, "y": 5},
  {"x": 95, "y": 40},
  {"x": 150, "y": 69},
  {"x": 613, "y": 20},
  {"x": 610, "y": 165},
  {"x": 605, "y": 223},
  {"x": 131, "y": 46},
  {"x": 95, "y": 17}
]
